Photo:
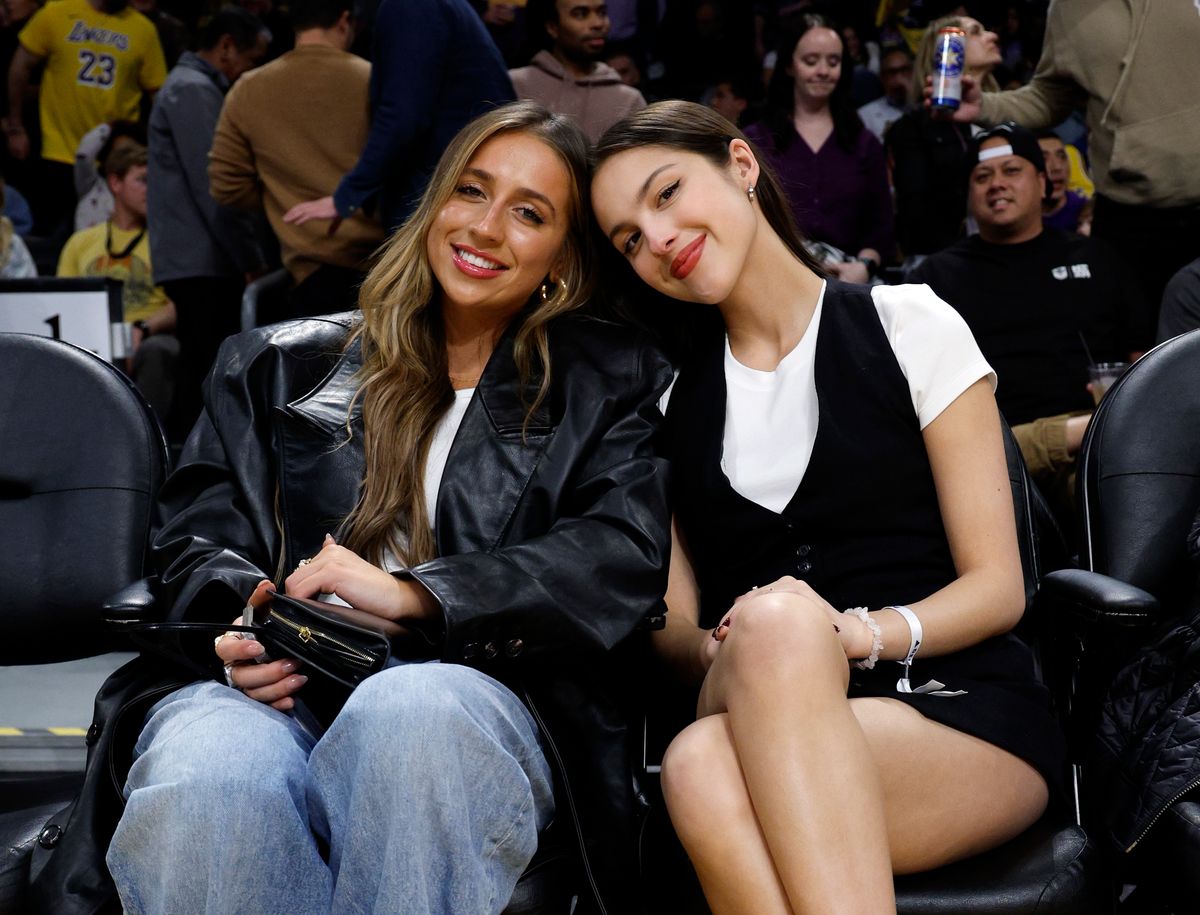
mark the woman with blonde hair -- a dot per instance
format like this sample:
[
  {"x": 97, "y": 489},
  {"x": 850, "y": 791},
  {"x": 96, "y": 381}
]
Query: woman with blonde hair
[
  {"x": 928, "y": 155},
  {"x": 470, "y": 459}
]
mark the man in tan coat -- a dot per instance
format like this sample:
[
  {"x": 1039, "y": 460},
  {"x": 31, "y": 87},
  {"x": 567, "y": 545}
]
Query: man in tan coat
[
  {"x": 1133, "y": 66},
  {"x": 287, "y": 134},
  {"x": 571, "y": 78}
]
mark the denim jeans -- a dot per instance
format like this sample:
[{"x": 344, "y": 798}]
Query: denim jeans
[{"x": 426, "y": 795}]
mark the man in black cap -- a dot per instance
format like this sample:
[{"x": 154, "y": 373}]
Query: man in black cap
[{"x": 1042, "y": 303}]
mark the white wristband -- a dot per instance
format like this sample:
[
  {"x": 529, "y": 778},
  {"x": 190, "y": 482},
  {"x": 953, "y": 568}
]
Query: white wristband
[{"x": 916, "y": 634}]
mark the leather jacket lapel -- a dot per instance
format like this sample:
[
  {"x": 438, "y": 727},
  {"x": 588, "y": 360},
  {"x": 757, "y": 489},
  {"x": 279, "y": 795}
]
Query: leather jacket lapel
[
  {"x": 320, "y": 461},
  {"x": 493, "y": 457},
  {"x": 494, "y": 453}
]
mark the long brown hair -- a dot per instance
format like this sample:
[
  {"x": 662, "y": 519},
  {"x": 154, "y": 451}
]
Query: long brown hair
[{"x": 404, "y": 385}]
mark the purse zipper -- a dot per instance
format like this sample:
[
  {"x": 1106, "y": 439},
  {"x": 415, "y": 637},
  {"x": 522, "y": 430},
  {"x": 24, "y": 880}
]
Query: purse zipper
[
  {"x": 306, "y": 635},
  {"x": 1194, "y": 783}
]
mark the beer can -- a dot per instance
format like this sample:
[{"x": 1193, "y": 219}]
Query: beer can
[{"x": 949, "y": 57}]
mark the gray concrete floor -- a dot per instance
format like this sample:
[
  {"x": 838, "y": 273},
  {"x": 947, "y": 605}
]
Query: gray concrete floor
[{"x": 45, "y": 709}]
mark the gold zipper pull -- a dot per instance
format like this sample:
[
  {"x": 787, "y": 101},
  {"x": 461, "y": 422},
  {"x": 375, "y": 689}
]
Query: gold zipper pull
[{"x": 306, "y": 634}]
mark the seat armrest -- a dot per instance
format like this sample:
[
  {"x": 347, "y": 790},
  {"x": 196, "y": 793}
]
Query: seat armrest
[
  {"x": 132, "y": 604},
  {"x": 1095, "y": 599}
]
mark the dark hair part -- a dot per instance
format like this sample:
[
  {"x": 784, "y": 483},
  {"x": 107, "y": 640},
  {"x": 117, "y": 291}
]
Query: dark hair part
[
  {"x": 120, "y": 160},
  {"x": 694, "y": 128},
  {"x": 243, "y": 27},
  {"x": 318, "y": 14},
  {"x": 781, "y": 91}
]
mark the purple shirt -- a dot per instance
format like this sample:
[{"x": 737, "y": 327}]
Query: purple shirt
[
  {"x": 837, "y": 196},
  {"x": 1067, "y": 219}
]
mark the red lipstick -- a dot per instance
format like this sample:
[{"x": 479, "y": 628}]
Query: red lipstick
[{"x": 687, "y": 259}]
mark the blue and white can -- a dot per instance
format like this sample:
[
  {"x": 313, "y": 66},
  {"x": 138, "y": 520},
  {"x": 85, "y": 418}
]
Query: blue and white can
[{"x": 949, "y": 60}]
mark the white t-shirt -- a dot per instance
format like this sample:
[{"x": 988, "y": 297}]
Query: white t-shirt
[
  {"x": 435, "y": 462},
  {"x": 435, "y": 467},
  {"x": 771, "y": 417}
]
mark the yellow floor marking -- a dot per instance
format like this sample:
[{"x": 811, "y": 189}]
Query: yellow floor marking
[
  {"x": 68, "y": 732},
  {"x": 11, "y": 732}
]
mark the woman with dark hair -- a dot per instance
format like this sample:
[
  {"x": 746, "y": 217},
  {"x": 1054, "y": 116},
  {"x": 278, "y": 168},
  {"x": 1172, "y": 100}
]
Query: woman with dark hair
[
  {"x": 929, "y": 155},
  {"x": 833, "y": 170},
  {"x": 485, "y": 461},
  {"x": 835, "y": 447}
]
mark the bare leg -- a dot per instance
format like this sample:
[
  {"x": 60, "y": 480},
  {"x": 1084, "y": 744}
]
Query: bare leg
[
  {"x": 710, "y": 808},
  {"x": 843, "y": 792},
  {"x": 932, "y": 773}
]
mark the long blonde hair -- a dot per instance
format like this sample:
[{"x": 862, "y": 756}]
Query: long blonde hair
[
  {"x": 923, "y": 64},
  {"x": 404, "y": 385}
]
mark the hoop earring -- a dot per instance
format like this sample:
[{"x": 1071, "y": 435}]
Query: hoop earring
[
  {"x": 750, "y": 193},
  {"x": 559, "y": 288}
]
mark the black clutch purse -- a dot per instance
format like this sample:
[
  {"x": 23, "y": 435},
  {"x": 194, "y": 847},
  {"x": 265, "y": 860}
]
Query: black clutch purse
[{"x": 345, "y": 644}]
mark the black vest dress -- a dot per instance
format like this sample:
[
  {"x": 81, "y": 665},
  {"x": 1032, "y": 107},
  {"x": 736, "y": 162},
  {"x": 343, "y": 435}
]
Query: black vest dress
[{"x": 863, "y": 528}]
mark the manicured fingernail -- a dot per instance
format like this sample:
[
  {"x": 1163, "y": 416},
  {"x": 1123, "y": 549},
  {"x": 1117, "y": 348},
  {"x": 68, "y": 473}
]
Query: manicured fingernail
[
  {"x": 287, "y": 666},
  {"x": 298, "y": 681},
  {"x": 256, "y": 648},
  {"x": 329, "y": 538}
]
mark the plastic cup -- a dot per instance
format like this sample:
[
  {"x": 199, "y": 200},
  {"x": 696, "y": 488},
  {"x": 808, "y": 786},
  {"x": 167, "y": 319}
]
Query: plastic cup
[{"x": 1102, "y": 375}]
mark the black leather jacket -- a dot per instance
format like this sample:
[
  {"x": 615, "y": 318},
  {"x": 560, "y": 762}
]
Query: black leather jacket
[{"x": 553, "y": 538}]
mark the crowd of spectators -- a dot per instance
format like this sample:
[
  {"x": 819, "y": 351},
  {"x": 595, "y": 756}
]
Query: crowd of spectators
[{"x": 298, "y": 133}]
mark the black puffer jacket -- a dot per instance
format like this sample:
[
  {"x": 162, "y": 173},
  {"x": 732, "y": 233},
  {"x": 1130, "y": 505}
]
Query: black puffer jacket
[{"x": 1146, "y": 754}]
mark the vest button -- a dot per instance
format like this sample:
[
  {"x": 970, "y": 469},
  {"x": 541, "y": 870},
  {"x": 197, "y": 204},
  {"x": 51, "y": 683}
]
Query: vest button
[
  {"x": 803, "y": 549},
  {"x": 514, "y": 648},
  {"x": 804, "y": 567},
  {"x": 490, "y": 650},
  {"x": 470, "y": 650}
]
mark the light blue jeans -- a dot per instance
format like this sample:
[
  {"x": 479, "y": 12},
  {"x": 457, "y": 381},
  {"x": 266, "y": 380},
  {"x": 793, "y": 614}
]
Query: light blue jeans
[{"x": 426, "y": 795}]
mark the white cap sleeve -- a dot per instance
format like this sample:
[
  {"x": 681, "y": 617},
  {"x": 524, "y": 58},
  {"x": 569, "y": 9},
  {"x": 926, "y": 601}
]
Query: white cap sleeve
[{"x": 935, "y": 348}]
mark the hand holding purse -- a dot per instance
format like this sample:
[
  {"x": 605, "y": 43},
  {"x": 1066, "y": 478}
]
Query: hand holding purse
[{"x": 345, "y": 644}]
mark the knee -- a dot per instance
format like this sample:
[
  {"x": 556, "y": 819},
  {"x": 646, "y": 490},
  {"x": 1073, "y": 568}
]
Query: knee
[
  {"x": 218, "y": 746},
  {"x": 779, "y": 635},
  {"x": 701, "y": 779},
  {"x": 429, "y": 709}
]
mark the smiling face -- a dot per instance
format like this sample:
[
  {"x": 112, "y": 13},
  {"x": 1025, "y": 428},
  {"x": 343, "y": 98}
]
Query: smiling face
[
  {"x": 503, "y": 228},
  {"x": 684, "y": 224},
  {"x": 1005, "y": 196},
  {"x": 817, "y": 64}
]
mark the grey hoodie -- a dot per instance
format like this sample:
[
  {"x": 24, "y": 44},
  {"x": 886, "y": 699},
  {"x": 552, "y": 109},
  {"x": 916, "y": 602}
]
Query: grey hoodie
[{"x": 596, "y": 101}]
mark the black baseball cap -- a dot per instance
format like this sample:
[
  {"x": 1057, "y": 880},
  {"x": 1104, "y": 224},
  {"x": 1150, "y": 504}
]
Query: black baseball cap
[{"x": 1020, "y": 142}]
